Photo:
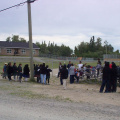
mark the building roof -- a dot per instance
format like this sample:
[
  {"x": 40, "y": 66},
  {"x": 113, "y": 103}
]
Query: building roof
[{"x": 7, "y": 44}]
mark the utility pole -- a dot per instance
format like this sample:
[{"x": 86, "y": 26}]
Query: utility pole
[{"x": 30, "y": 39}]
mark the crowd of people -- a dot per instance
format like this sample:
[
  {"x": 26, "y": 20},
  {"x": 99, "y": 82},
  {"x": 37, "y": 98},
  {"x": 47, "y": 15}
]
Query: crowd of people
[
  {"x": 41, "y": 71},
  {"x": 107, "y": 73}
]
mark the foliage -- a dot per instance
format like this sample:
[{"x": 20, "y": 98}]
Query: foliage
[
  {"x": 54, "y": 49},
  {"x": 15, "y": 38},
  {"x": 93, "y": 48}
]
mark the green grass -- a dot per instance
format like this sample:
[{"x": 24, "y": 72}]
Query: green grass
[
  {"x": 52, "y": 63},
  {"x": 28, "y": 94},
  {"x": 91, "y": 81}
]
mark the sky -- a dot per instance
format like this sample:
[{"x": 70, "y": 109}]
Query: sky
[{"x": 67, "y": 22}]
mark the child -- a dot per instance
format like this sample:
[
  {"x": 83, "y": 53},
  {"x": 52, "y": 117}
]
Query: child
[
  {"x": 81, "y": 72},
  {"x": 93, "y": 70},
  {"x": 77, "y": 74},
  {"x": 88, "y": 72}
]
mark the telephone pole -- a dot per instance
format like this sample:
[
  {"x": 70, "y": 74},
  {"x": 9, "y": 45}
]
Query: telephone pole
[{"x": 30, "y": 39}]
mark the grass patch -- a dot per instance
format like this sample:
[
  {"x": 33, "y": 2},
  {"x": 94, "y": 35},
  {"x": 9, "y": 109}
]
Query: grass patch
[
  {"x": 91, "y": 81},
  {"x": 28, "y": 94}
]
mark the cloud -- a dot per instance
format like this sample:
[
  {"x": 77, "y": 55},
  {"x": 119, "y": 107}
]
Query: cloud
[{"x": 64, "y": 21}]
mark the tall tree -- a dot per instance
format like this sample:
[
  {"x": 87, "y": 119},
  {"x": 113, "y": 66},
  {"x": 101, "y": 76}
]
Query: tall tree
[
  {"x": 8, "y": 39},
  {"x": 15, "y": 38}
]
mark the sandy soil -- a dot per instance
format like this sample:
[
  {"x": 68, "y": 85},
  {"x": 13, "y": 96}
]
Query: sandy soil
[{"x": 28, "y": 101}]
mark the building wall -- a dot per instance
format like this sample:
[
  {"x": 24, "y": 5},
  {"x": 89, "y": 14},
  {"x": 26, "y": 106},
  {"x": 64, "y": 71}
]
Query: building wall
[{"x": 21, "y": 52}]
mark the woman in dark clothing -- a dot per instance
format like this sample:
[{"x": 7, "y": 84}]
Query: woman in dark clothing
[
  {"x": 15, "y": 69},
  {"x": 113, "y": 77},
  {"x": 20, "y": 72},
  {"x": 9, "y": 71},
  {"x": 106, "y": 78},
  {"x": 26, "y": 72},
  {"x": 64, "y": 76},
  {"x": 61, "y": 81},
  {"x": 48, "y": 73},
  {"x": 43, "y": 74}
]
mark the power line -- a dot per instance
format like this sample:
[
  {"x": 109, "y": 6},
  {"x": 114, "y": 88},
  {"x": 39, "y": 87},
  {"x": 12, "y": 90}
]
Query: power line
[
  {"x": 30, "y": 1},
  {"x": 13, "y": 6}
]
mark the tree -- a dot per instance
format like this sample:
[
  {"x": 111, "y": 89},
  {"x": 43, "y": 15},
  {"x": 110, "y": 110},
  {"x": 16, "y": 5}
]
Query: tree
[
  {"x": 8, "y": 39},
  {"x": 92, "y": 44},
  {"x": 22, "y": 40},
  {"x": 15, "y": 38}
]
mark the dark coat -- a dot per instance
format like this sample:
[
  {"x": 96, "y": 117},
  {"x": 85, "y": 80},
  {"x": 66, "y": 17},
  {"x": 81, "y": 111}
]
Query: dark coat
[
  {"x": 48, "y": 72},
  {"x": 106, "y": 72},
  {"x": 113, "y": 78},
  {"x": 9, "y": 69},
  {"x": 26, "y": 70},
  {"x": 19, "y": 69},
  {"x": 64, "y": 72},
  {"x": 43, "y": 69},
  {"x": 15, "y": 69}
]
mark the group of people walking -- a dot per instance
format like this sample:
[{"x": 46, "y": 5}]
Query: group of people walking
[{"x": 41, "y": 71}]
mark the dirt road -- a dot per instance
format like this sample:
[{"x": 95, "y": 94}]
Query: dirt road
[{"x": 28, "y": 101}]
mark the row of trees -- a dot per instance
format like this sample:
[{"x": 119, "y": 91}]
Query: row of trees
[
  {"x": 49, "y": 48},
  {"x": 54, "y": 49},
  {"x": 15, "y": 38},
  {"x": 93, "y": 48},
  {"x": 84, "y": 49}
]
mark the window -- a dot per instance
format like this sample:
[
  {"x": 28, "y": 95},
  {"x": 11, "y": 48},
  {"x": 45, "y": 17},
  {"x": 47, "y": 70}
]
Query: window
[
  {"x": 9, "y": 51},
  {"x": 34, "y": 52},
  {"x": 23, "y": 51}
]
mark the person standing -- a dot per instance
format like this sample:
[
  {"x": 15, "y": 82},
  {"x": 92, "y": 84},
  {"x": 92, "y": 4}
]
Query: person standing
[
  {"x": 20, "y": 72},
  {"x": 80, "y": 65},
  {"x": 60, "y": 67},
  {"x": 9, "y": 71},
  {"x": 64, "y": 76},
  {"x": 5, "y": 71},
  {"x": 68, "y": 66},
  {"x": 61, "y": 80},
  {"x": 113, "y": 80},
  {"x": 106, "y": 78},
  {"x": 98, "y": 67},
  {"x": 14, "y": 71},
  {"x": 99, "y": 62},
  {"x": 43, "y": 74},
  {"x": 72, "y": 73},
  {"x": 48, "y": 74},
  {"x": 26, "y": 71}
]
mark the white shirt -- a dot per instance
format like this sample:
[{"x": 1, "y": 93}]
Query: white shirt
[{"x": 79, "y": 66}]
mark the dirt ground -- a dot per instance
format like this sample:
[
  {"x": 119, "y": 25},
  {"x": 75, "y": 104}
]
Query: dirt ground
[
  {"x": 86, "y": 96},
  {"x": 88, "y": 93}
]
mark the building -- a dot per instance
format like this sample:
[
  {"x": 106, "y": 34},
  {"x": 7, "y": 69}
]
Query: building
[{"x": 17, "y": 48}]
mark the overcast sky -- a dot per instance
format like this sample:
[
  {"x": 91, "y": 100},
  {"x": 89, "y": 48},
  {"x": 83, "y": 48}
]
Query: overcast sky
[{"x": 66, "y": 22}]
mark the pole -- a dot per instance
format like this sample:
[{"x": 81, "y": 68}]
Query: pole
[{"x": 30, "y": 41}]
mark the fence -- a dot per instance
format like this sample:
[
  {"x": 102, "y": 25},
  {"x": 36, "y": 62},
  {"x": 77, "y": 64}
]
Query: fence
[
  {"x": 67, "y": 58},
  {"x": 14, "y": 59}
]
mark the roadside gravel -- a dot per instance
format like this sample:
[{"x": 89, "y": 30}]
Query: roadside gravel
[{"x": 15, "y": 107}]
